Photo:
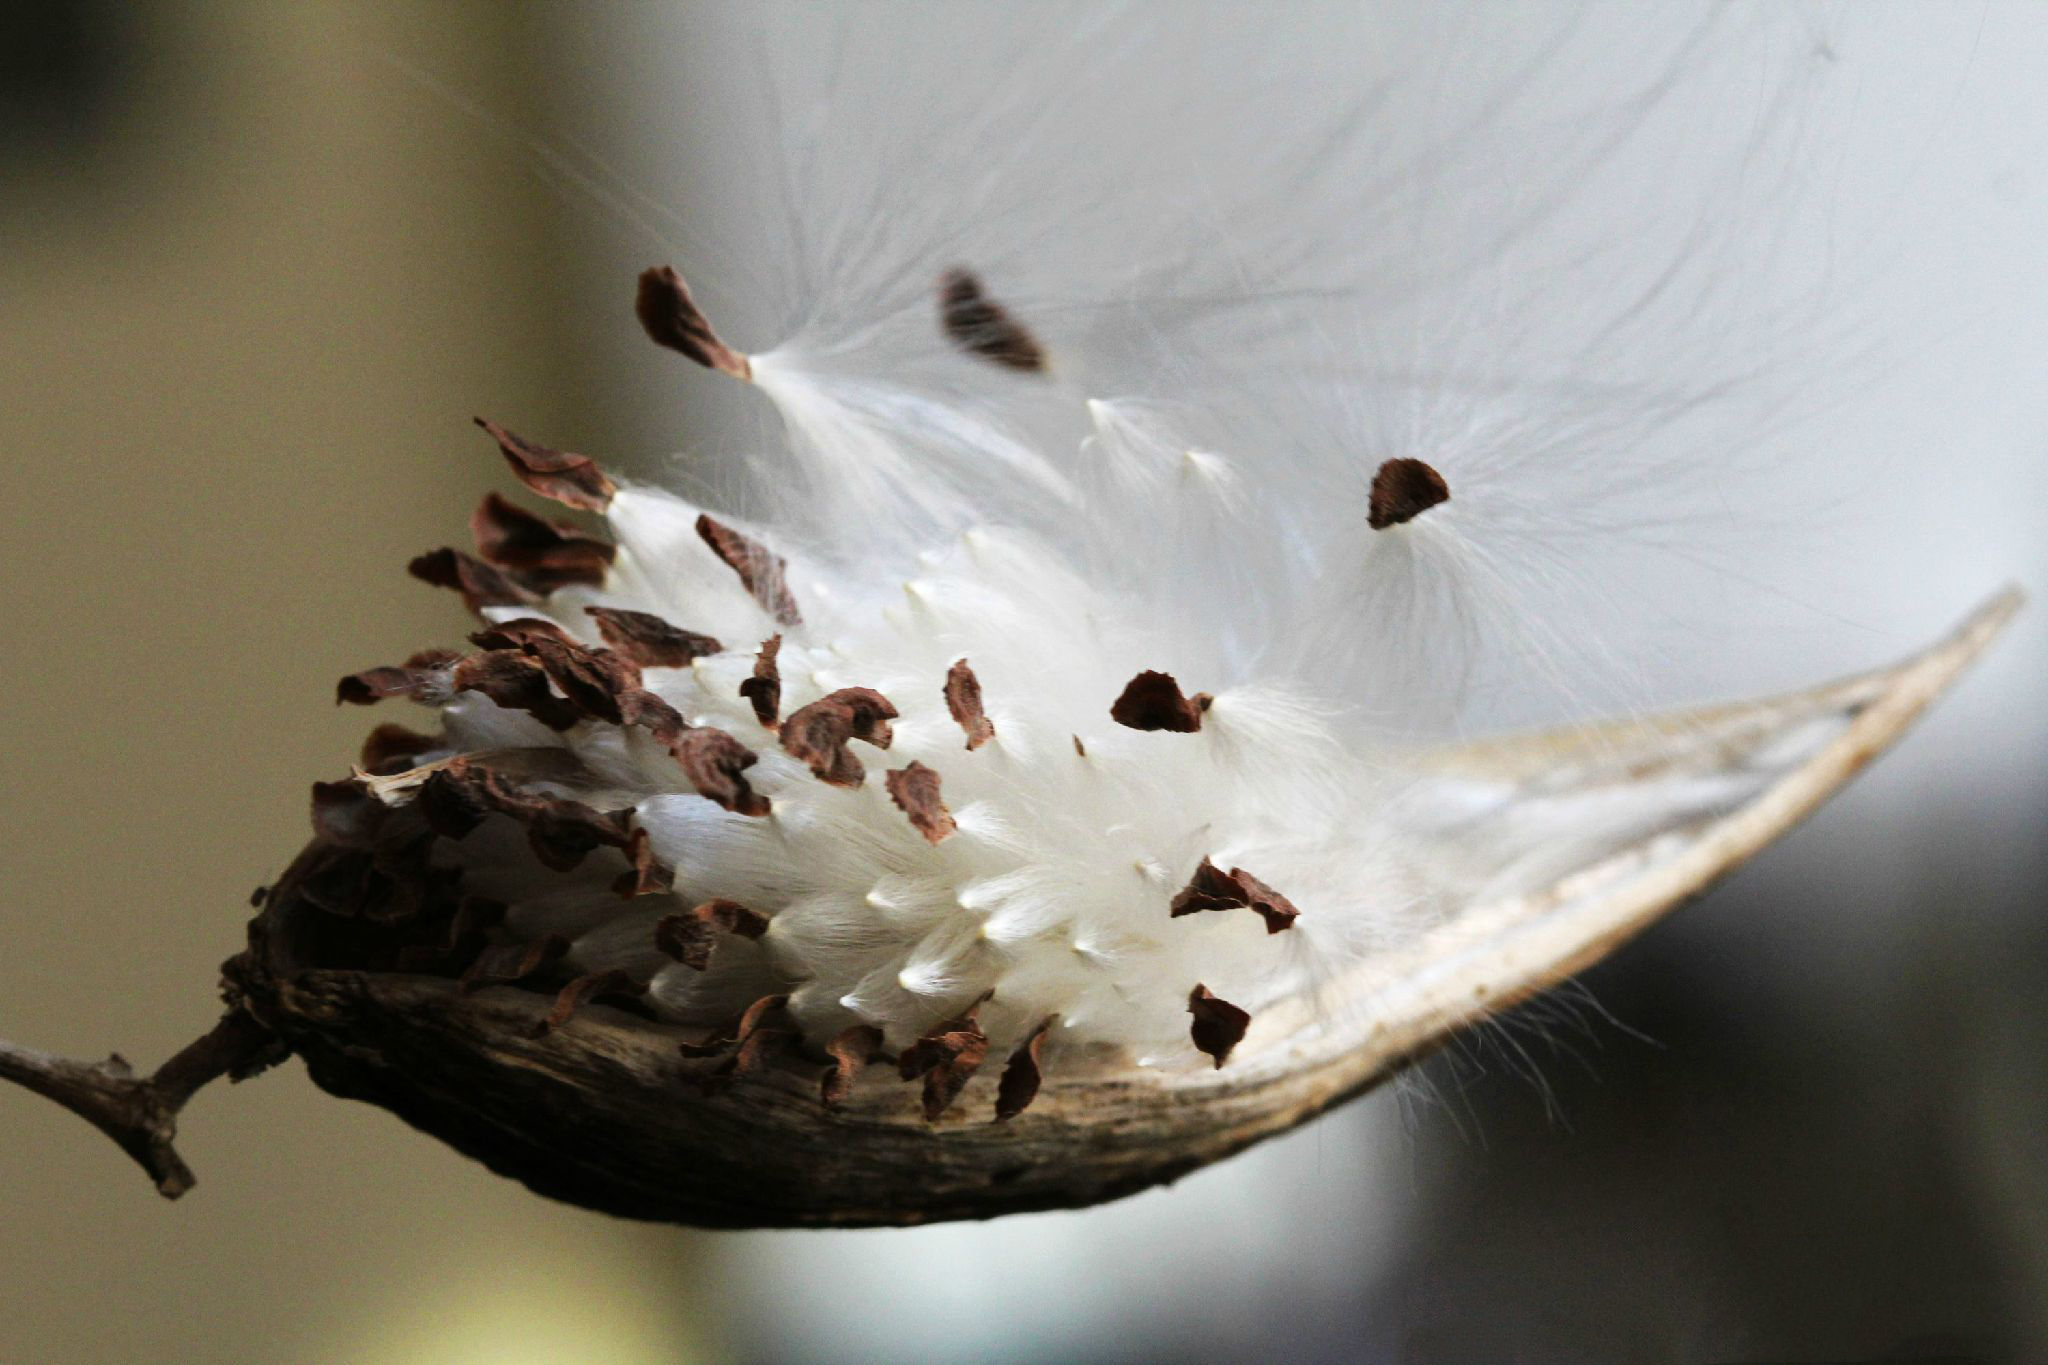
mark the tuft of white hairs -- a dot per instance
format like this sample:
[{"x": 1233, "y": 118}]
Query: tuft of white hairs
[{"x": 1182, "y": 484}]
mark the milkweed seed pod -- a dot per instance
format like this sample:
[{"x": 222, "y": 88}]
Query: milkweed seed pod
[{"x": 1025, "y": 811}]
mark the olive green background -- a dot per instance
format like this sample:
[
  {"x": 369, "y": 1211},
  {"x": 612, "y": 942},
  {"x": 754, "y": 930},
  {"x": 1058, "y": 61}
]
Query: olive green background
[{"x": 249, "y": 300}]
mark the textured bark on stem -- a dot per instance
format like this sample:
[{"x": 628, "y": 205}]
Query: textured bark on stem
[{"x": 141, "y": 1114}]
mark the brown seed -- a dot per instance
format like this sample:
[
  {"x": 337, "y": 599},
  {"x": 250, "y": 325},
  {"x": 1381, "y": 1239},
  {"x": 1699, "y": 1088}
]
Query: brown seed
[
  {"x": 915, "y": 790},
  {"x": 519, "y": 634},
  {"x": 1403, "y": 490},
  {"x": 647, "y": 874},
  {"x": 947, "y": 1057},
  {"x": 1219, "y": 1025},
  {"x": 691, "y": 936},
  {"x": 593, "y": 680},
  {"x": 818, "y": 734},
  {"x": 764, "y": 689},
  {"x": 1213, "y": 889},
  {"x": 761, "y": 572},
  {"x": 510, "y": 963},
  {"x": 423, "y": 678},
  {"x": 736, "y": 1033},
  {"x": 963, "y": 701},
  {"x": 518, "y": 683},
  {"x": 672, "y": 319},
  {"x": 640, "y": 707},
  {"x": 980, "y": 326},
  {"x": 480, "y": 584},
  {"x": 542, "y": 555},
  {"x": 851, "y": 1049},
  {"x": 716, "y": 765},
  {"x": 1154, "y": 701},
  {"x": 1023, "y": 1075},
  {"x": 648, "y": 640},
  {"x": 573, "y": 480}
]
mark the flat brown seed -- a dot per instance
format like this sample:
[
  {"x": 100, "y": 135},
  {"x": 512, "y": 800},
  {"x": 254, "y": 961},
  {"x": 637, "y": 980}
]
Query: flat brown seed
[
  {"x": 516, "y": 682},
  {"x": 818, "y": 734},
  {"x": 981, "y": 327},
  {"x": 851, "y": 1049},
  {"x": 716, "y": 765},
  {"x": 1403, "y": 490},
  {"x": 572, "y": 480},
  {"x": 542, "y": 554},
  {"x": 592, "y": 680},
  {"x": 1211, "y": 888},
  {"x": 915, "y": 790},
  {"x": 646, "y": 874},
  {"x": 963, "y": 702},
  {"x": 947, "y": 1056},
  {"x": 648, "y": 640},
  {"x": 672, "y": 319},
  {"x": 1218, "y": 1026},
  {"x": 480, "y": 584},
  {"x": 1278, "y": 911},
  {"x": 1023, "y": 1075},
  {"x": 691, "y": 936},
  {"x": 456, "y": 798},
  {"x": 424, "y": 678},
  {"x": 648, "y": 711},
  {"x": 764, "y": 689},
  {"x": 762, "y": 573},
  {"x": 1154, "y": 701}
]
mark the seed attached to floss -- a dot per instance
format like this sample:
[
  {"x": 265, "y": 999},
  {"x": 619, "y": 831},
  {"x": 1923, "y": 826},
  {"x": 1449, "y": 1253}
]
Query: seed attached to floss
[
  {"x": 963, "y": 703},
  {"x": 690, "y": 938},
  {"x": 1213, "y": 889},
  {"x": 915, "y": 790},
  {"x": 542, "y": 555},
  {"x": 764, "y": 573},
  {"x": 1219, "y": 1026},
  {"x": 572, "y": 480},
  {"x": 1403, "y": 490},
  {"x": 672, "y": 319},
  {"x": 763, "y": 689},
  {"x": 981, "y": 327},
  {"x": 1154, "y": 701},
  {"x": 649, "y": 641}
]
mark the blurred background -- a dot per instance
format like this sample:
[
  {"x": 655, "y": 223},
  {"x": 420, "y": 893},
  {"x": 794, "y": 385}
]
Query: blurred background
[{"x": 259, "y": 263}]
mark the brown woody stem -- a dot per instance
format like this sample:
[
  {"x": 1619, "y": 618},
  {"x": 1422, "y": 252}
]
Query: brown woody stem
[{"x": 141, "y": 1115}]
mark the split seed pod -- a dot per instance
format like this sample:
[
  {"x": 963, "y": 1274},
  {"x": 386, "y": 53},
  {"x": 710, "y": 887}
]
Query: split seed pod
[
  {"x": 745, "y": 883},
  {"x": 607, "y": 1049}
]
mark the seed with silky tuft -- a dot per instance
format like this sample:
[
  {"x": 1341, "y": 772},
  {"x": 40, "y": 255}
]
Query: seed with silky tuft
[{"x": 1403, "y": 490}]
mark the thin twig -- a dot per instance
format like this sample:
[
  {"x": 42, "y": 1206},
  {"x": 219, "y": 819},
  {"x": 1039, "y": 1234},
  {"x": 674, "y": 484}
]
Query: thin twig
[{"x": 140, "y": 1115}]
